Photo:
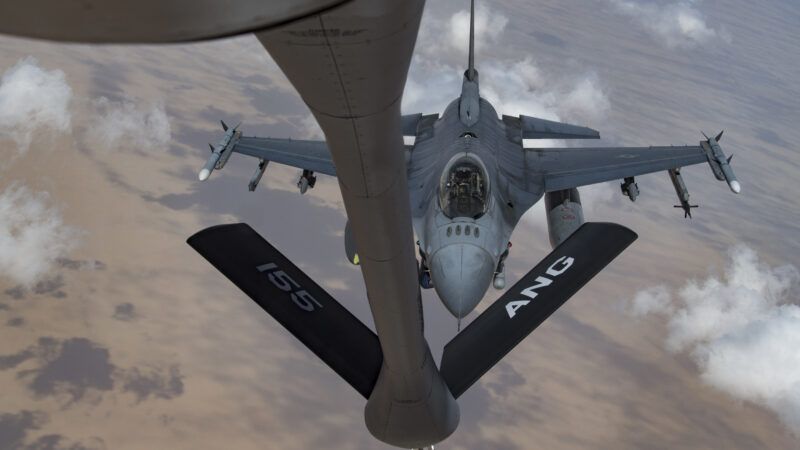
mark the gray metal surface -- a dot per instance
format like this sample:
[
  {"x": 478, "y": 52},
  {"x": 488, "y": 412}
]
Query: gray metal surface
[
  {"x": 564, "y": 168},
  {"x": 311, "y": 155},
  {"x": 564, "y": 214},
  {"x": 148, "y": 21},
  {"x": 349, "y": 66}
]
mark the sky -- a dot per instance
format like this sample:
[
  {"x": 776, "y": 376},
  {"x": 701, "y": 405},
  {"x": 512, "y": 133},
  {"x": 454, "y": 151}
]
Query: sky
[{"x": 114, "y": 334}]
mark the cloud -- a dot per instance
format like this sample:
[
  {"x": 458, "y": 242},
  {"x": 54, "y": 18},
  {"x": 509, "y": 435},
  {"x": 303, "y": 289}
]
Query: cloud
[
  {"x": 33, "y": 100},
  {"x": 677, "y": 24},
  {"x": 652, "y": 300},
  {"x": 742, "y": 330},
  {"x": 128, "y": 124},
  {"x": 516, "y": 86},
  {"x": 33, "y": 235},
  {"x": 489, "y": 26}
]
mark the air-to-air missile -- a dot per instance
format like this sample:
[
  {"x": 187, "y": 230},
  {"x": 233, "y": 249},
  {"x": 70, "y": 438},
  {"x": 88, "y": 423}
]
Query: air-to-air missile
[
  {"x": 720, "y": 164},
  {"x": 682, "y": 191},
  {"x": 221, "y": 152}
]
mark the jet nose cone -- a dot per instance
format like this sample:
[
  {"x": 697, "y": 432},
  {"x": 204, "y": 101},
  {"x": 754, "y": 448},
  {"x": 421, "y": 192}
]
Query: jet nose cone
[{"x": 461, "y": 275}]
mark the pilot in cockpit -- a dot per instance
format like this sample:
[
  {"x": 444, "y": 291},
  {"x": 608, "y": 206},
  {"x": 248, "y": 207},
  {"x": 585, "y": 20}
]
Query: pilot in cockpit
[{"x": 464, "y": 193}]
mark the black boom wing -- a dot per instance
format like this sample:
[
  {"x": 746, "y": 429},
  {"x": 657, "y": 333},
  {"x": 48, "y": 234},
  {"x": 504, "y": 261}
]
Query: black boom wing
[
  {"x": 298, "y": 303},
  {"x": 530, "y": 301}
]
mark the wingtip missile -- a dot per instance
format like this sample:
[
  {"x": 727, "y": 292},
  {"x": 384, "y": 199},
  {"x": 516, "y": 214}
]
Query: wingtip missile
[
  {"x": 720, "y": 164},
  {"x": 204, "y": 174},
  {"x": 221, "y": 152}
]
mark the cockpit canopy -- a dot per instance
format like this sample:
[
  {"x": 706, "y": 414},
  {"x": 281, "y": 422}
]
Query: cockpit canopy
[{"x": 464, "y": 189}]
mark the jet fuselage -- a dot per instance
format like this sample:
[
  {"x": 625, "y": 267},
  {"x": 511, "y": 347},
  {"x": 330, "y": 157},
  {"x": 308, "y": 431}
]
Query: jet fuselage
[{"x": 462, "y": 213}]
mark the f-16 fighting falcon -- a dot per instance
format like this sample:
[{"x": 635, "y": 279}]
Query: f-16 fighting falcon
[
  {"x": 464, "y": 184},
  {"x": 470, "y": 180}
]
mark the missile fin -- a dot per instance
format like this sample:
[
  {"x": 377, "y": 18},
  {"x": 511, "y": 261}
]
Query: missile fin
[
  {"x": 224, "y": 125},
  {"x": 719, "y": 136}
]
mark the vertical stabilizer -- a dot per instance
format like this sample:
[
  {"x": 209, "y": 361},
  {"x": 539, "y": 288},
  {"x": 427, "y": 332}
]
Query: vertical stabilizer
[
  {"x": 471, "y": 73},
  {"x": 470, "y": 100}
]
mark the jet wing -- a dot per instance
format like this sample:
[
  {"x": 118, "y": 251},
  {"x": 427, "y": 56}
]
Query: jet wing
[
  {"x": 566, "y": 168},
  {"x": 310, "y": 155}
]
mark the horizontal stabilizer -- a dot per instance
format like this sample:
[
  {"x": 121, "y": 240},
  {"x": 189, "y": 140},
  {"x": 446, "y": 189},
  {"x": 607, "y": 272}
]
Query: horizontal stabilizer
[
  {"x": 298, "y": 303},
  {"x": 535, "y": 128},
  {"x": 409, "y": 124},
  {"x": 530, "y": 301}
]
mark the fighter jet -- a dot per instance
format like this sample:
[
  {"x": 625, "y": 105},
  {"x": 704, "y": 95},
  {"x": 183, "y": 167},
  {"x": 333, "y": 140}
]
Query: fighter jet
[
  {"x": 465, "y": 182},
  {"x": 470, "y": 180}
]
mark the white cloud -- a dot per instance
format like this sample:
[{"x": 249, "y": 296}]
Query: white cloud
[
  {"x": 309, "y": 128},
  {"x": 127, "y": 124},
  {"x": 512, "y": 86},
  {"x": 489, "y": 26},
  {"x": 742, "y": 330},
  {"x": 652, "y": 300},
  {"x": 677, "y": 24},
  {"x": 33, "y": 235},
  {"x": 33, "y": 100}
]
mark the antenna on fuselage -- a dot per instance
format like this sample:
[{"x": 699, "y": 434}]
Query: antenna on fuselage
[{"x": 471, "y": 72}]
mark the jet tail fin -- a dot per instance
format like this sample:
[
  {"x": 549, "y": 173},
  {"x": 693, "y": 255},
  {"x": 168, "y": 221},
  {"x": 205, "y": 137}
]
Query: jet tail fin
[
  {"x": 471, "y": 66},
  {"x": 293, "y": 299},
  {"x": 485, "y": 341}
]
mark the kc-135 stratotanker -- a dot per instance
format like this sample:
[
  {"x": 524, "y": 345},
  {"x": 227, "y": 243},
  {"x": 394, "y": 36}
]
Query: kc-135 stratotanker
[{"x": 470, "y": 180}]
